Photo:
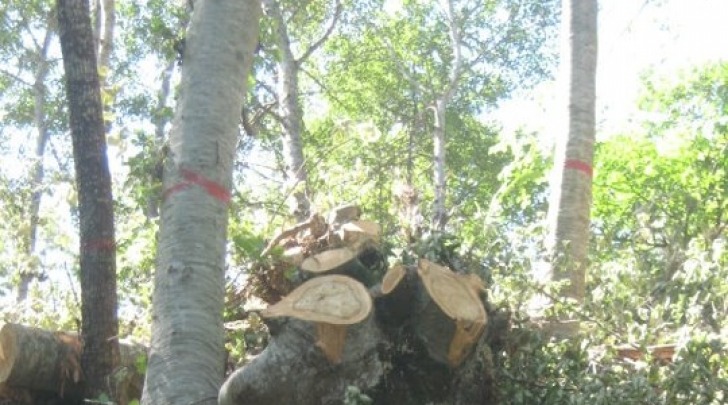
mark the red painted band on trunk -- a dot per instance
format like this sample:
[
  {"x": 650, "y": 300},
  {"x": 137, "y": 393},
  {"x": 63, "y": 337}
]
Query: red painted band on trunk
[
  {"x": 98, "y": 245},
  {"x": 213, "y": 189},
  {"x": 579, "y": 165},
  {"x": 175, "y": 188}
]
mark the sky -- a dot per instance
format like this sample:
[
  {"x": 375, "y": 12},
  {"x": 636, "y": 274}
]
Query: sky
[{"x": 635, "y": 37}]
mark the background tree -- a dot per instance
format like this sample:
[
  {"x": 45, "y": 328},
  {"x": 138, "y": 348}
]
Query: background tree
[
  {"x": 415, "y": 50},
  {"x": 571, "y": 191},
  {"x": 100, "y": 328},
  {"x": 187, "y": 354},
  {"x": 31, "y": 101},
  {"x": 289, "y": 116},
  {"x": 38, "y": 173}
]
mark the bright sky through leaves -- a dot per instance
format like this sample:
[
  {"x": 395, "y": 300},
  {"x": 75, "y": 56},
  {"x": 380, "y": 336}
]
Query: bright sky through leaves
[{"x": 636, "y": 37}]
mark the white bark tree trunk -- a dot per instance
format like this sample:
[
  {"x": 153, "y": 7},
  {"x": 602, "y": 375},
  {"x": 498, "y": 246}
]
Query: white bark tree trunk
[
  {"x": 106, "y": 40},
  {"x": 37, "y": 170},
  {"x": 440, "y": 179},
  {"x": 160, "y": 121},
  {"x": 104, "y": 14},
  {"x": 290, "y": 111},
  {"x": 440, "y": 217},
  {"x": 186, "y": 361},
  {"x": 291, "y": 116},
  {"x": 571, "y": 190}
]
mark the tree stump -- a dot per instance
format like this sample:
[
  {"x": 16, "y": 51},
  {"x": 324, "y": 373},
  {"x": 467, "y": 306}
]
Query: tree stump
[{"x": 414, "y": 336}]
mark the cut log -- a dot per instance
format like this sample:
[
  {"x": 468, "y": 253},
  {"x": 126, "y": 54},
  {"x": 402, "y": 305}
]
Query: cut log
[
  {"x": 294, "y": 255},
  {"x": 343, "y": 214},
  {"x": 41, "y": 360},
  {"x": 329, "y": 260},
  {"x": 397, "y": 297},
  {"x": 323, "y": 340},
  {"x": 333, "y": 303},
  {"x": 315, "y": 225},
  {"x": 394, "y": 276},
  {"x": 661, "y": 353},
  {"x": 457, "y": 298},
  {"x": 357, "y": 232},
  {"x": 38, "y": 359}
]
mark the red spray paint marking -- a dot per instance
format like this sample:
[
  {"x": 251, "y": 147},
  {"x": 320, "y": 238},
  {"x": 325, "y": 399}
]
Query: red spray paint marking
[
  {"x": 191, "y": 178},
  {"x": 98, "y": 245},
  {"x": 579, "y": 165}
]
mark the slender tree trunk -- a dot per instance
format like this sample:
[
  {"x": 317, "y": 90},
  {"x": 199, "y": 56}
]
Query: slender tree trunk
[
  {"x": 291, "y": 116},
  {"x": 160, "y": 121},
  {"x": 106, "y": 39},
  {"x": 187, "y": 356},
  {"x": 439, "y": 217},
  {"x": 290, "y": 111},
  {"x": 440, "y": 179},
  {"x": 97, "y": 251},
  {"x": 37, "y": 170},
  {"x": 572, "y": 188}
]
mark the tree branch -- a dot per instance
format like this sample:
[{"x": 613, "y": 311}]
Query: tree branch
[
  {"x": 15, "y": 77},
  {"x": 250, "y": 125},
  {"x": 323, "y": 87},
  {"x": 402, "y": 69},
  {"x": 311, "y": 49}
]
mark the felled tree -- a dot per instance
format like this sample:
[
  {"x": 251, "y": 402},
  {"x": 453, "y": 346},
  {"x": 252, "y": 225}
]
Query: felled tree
[{"x": 415, "y": 337}]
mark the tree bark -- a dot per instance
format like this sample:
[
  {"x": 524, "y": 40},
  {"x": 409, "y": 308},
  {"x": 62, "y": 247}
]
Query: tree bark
[
  {"x": 96, "y": 217},
  {"x": 572, "y": 187},
  {"x": 187, "y": 356}
]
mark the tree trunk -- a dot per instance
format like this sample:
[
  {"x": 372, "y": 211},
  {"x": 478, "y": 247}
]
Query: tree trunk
[
  {"x": 439, "y": 217},
  {"x": 571, "y": 191},
  {"x": 439, "y": 211},
  {"x": 160, "y": 121},
  {"x": 96, "y": 216},
  {"x": 37, "y": 170},
  {"x": 291, "y": 117},
  {"x": 106, "y": 38},
  {"x": 187, "y": 356},
  {"x": 97, "y": 251},
  {"x": 290, "y": 111}
]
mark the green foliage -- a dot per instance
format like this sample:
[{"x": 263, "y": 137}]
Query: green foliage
[
  {"x": 658, "y": 265},
  {"x": 534, "y": 370},
  {"x": 660, "y": 204}
]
